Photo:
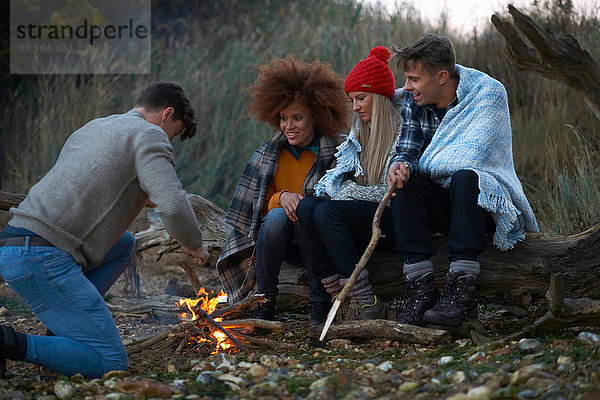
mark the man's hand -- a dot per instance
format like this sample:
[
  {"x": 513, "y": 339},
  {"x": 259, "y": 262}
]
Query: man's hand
[
  {"x": 398, "y": 174},
  {"x": 289, "y": 202},
  {"x": 199, "y": 256}
]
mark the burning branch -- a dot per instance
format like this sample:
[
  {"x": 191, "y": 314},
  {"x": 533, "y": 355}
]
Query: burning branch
[{"x": 225, "y": 331}]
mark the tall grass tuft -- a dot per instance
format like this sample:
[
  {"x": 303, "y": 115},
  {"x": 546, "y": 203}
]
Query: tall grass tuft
[{"x": 215, "y": 56}]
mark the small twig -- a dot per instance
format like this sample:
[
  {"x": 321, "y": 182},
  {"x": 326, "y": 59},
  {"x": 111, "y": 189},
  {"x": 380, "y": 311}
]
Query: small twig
[{"x": 183, "y": 342}]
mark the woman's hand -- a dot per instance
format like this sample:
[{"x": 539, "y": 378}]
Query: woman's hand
[{"x": 289, "y": 202}]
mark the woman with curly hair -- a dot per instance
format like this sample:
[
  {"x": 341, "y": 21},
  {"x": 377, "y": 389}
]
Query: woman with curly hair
[
  {"x": 306, "y": 105},
  {"x": 341, "y": 225}
]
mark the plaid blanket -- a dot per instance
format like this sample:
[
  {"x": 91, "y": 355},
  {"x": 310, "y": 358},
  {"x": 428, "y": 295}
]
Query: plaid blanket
[
  {"x": 236, "y": 262},
  {"x": 476, "y": 135}
]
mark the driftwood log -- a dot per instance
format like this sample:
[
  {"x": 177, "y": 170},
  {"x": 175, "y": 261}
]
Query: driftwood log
[
  {"x": 380, "y": 328},
  {"x": 525, "y": 270},
  {"x": 556, "y": 56}
]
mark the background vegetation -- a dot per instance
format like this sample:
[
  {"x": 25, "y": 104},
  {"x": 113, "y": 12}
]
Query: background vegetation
[{"x": 214, "y": 48}]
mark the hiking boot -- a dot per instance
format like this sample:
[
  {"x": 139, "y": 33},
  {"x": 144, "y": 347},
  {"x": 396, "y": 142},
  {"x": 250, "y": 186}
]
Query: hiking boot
[
  {"x": 418, "y": 296},
  {"x": 318, "y": 312},
  {"x": 457, "y": 303},
  {"x": 356, "y": 310},
  {"x": 266, "y": 310},
  {"x": 13, "y": 346}
]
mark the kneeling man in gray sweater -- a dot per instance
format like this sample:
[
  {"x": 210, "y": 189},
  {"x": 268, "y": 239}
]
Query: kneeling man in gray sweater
[{"x": 67, "y": 243}]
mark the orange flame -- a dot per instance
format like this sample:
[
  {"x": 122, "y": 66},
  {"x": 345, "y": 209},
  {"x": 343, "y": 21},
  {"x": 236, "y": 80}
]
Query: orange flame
[{"x": 208, "y": 305}]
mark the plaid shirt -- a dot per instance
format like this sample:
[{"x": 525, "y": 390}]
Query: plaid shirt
[
  {"x": 236, "y": 263},
  {"x": 418, "y": 127}
]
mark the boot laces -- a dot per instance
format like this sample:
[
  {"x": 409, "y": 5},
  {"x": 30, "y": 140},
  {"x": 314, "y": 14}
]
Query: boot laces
[
  {"x": 408, "y": 298},
  {"x": 452, "y": 291}
]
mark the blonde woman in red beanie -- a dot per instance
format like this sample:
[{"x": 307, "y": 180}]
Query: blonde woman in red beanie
[
  {"x": 306, "y": 105},
  {"x": 341, "y": 225}
]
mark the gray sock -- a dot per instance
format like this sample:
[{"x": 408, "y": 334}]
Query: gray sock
[
  {"x": 468, "y": 266},
  {"x": 362, "y": 290},
  {"x": 332, "y": 284},
  {"x": 417, "y": 270}
]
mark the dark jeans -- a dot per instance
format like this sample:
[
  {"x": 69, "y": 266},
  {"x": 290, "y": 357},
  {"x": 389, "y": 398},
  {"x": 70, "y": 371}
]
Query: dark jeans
[
  {"x": 423, "y": 207},
  {"x": 275, "y": 244},
  {"x": 340, "y": 232}
]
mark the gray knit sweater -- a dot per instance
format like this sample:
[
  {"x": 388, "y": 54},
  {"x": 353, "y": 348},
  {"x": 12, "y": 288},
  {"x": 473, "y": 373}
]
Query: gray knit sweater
[{"x": 105, "y": 173}]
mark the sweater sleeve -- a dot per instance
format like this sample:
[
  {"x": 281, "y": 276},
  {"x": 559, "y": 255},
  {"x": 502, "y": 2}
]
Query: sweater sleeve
[
  {"x": 275, "y": 200},
  {"x": 351, "y": 190},
  {"x": 155, "y": 168}
]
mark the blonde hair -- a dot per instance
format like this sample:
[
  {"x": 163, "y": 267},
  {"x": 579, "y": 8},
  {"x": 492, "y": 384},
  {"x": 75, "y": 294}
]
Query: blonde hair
[{"x": 377, "y": 138}]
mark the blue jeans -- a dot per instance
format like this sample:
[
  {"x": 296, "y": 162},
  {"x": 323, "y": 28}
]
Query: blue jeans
[
  {"x": 275, "y": 244},
  {"x": 340, "y": 232},
  {"x": 70, "y": 303}
]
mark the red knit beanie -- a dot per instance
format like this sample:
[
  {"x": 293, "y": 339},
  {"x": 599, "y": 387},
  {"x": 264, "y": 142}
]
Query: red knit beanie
[{"x": 372, "y": 74}]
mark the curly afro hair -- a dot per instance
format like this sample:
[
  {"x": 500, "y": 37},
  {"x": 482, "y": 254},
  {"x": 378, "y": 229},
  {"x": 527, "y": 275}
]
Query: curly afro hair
[{"x": 315, "y": 85}]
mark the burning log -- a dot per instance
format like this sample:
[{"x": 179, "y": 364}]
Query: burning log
[
  {"x": 250, "y": 301},
  {"x": 254, "y": 323}
]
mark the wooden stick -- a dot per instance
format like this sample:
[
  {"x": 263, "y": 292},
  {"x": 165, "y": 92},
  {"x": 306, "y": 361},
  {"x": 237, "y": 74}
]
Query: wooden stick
[
  {"x": 265, "y": 342},
  {"x": 376, "y": 234},
  {"x": 248, "y": 301},
  {"x": 137, "y": 345},
  {"x": 189, "y": 271},
  {"x": 251, "y": 322}
]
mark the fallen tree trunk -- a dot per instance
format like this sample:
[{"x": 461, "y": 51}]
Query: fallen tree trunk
[{"x": 525, "y": 270}]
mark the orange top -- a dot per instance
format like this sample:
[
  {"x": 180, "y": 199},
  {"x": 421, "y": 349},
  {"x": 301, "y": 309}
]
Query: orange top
[{"x": 290, "y": 176}]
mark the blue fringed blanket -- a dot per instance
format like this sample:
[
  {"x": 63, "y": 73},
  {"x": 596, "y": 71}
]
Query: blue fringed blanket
[{"x": 476, "y": 135}]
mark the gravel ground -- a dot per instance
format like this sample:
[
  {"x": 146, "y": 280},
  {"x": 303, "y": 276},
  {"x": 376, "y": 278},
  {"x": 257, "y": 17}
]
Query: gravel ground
[{"x": 564, "y": 365}]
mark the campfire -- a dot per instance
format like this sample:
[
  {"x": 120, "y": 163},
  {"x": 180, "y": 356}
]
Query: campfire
[
  {"x": 198, "y": 338},
  {"x": 203, "y": 329}
]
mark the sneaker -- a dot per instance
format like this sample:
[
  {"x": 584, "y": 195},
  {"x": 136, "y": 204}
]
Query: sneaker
[
  {"x": 418, "y": 296},
  {"x": 266, "y": 310},
  {"x": 356, "y": 310},
  {"x": 318, "y": 312},
  {"x": 457, "y": 303}
]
